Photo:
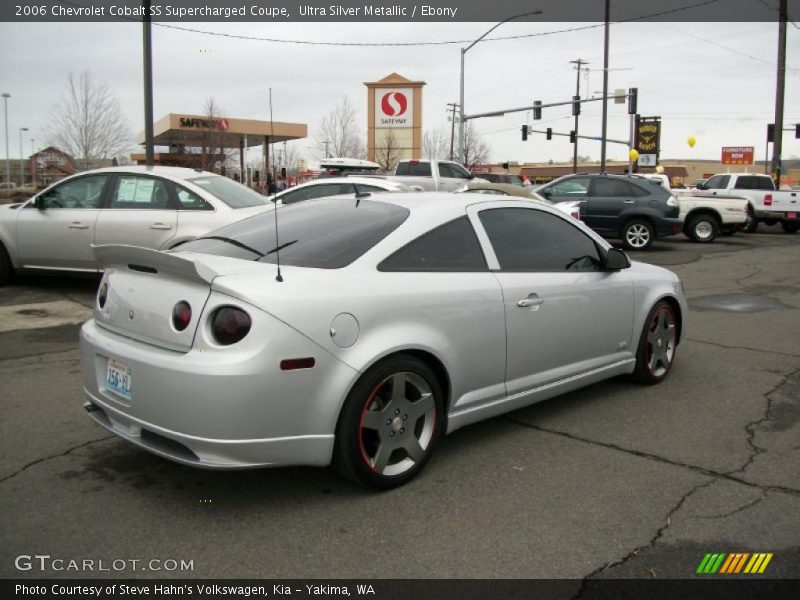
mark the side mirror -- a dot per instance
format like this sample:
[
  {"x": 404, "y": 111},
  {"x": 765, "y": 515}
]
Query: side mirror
[
  {"x": 616, "y": 259},
  {"x": 39, "y": 202},
  {"x": 701, "y": 186},
  {"x": 545, "y": 192}
]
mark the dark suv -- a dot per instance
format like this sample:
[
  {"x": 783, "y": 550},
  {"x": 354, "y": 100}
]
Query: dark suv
[{"x": 619, "y": 206}]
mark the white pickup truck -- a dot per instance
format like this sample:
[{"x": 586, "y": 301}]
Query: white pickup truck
[
  {"x": 705, "y": 215},
  {"x": 765, "y": 203},
  {"x": 433, "y": 175}
]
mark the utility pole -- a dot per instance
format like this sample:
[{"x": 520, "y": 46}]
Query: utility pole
[
  {"x": 605, "y": 90},
  {"x": 776, "y": 144},
  {"x": 452, "y": 107},
  {"x": 578, "y": 64},
  {"x": 326, "y": 142}
]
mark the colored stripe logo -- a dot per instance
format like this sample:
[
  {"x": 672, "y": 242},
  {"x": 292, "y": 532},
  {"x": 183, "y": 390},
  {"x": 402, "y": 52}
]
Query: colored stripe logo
[{"x": 734, "y": 563}]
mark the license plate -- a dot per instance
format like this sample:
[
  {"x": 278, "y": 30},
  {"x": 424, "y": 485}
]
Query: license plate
[
  {"x": 119, "y": 378},
  {"x": 791, "y": 215}
]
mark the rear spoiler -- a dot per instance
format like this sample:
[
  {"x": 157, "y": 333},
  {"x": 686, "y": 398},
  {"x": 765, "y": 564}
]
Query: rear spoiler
[{"x": 146, "y": 260}]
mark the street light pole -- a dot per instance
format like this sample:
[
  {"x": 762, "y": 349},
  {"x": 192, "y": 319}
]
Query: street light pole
[
  {"x": 33, "y": 163},
  {"x": 605, "y": 92},
  {"x": 461, "y": 93},
  {"x": 6, "y": 96},
  {"x": 21, "y": 159}
]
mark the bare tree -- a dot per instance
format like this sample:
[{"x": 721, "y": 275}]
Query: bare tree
[
  {"x": 436, "y": 144},
  {"x": 338, "y": 133},
  {"x": 87, "y": 121},
  {"x": 476, "y": 150},
  {"x": 389, "y": 152},
  {"x": 208, "y": 151}
]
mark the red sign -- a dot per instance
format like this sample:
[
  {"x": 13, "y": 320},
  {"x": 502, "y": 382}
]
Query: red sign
[
  {"x": 737, "y": 155},
  {"x": 394, "y": 104}
]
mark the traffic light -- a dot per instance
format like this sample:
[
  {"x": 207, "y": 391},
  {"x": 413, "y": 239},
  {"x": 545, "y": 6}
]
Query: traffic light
[
  {"x": 573, "y": 137},
  {"x": 576, "y": 106},
  {"x": 505, "y": 166},
  {"x": 549, "y": 133},
  {"x": 771, "y": 132},
  {"x": 537, "y": 110},
  {"x": 524, "y": 133},
  {"x": 283, "y": 172},
  {"x": 633, "y": 96},
  {"x": 797, "y": 130}
]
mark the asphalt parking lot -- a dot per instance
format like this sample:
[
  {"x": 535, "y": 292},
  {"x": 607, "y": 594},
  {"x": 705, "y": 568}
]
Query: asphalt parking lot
[{"x": 616, "y": 480}]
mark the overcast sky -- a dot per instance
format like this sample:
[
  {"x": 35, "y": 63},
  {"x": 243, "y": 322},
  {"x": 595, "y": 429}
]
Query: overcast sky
[{"x": 715, "y": 82}]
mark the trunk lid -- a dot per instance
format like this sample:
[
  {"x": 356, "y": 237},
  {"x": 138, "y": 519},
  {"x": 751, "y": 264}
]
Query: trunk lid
[{"x": 143, "y": 286}]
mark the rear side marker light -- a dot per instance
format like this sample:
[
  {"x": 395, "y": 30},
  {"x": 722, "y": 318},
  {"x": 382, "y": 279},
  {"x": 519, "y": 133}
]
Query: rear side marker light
[
  {"x": 229, "y": 325},
  {"x": 181, "y": 315},
  {"x": 292, "y": 364},
  {"x": 768, "y": 200}
]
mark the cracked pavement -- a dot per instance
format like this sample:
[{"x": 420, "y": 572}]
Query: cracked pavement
[{"x": 615, "y": 480}]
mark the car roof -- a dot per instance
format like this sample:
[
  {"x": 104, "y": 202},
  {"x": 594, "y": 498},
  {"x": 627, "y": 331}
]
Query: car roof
[
  {"x": 173, "y": 172},
  {"x": 433, "y": 201},
  {"x": 376, "y": 180}
]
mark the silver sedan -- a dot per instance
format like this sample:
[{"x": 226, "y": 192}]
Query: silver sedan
[
  {"x": 362, "y": 330},
  {"x": 155, "y": 208}
]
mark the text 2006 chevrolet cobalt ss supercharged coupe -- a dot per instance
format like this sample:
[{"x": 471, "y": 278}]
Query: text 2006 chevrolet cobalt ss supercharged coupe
[{"x": 393, "y": 319}]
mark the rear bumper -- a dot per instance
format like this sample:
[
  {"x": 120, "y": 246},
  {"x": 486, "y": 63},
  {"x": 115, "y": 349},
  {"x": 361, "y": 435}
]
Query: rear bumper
[
  {"x": 666, "y": 227},
  {"x": 221, "y": 408},
  {"x": 210, "y": 453},
  {"x": 777, "y": 215}
]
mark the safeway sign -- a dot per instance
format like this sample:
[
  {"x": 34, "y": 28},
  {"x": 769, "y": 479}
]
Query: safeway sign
[
  {"x": 394, "y": 107},
  {"x": 737, "y": 155}
]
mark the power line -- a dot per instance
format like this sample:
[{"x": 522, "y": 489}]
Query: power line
[{"x": 403, "y": 44}]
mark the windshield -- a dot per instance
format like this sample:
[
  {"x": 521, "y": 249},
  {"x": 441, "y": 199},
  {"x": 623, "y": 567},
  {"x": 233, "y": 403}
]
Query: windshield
[
  {"x": 231, "y": 193},
  {"x": 327, "y": 233}
]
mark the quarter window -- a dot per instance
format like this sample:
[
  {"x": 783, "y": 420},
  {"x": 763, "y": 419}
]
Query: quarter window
[
  {"x": 451, "y": 247},
  {"x": 135, "y": 192},
  {"x": 533, "y": 240},
  {"x": 83, "y": 192},
  {"x": 190, "y": 201}
]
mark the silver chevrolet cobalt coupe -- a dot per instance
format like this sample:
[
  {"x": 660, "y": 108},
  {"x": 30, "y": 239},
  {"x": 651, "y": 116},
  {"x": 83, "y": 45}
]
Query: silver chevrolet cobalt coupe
[{"x": 391, "y": 320}]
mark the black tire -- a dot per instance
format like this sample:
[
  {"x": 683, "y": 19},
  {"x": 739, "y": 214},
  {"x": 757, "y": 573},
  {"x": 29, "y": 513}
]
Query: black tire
[
  {"x": 659, "y": 335},
  {"x": 790, "y": 226},
  {"x": 638, "y": 234},
  {"x": 6, "y": 268},
  {"x": 770, "y": 222},
  {"x": 703, "y": 228},
  {"x": 751, "y": 225},
  {"x": 383, "y": 440}
]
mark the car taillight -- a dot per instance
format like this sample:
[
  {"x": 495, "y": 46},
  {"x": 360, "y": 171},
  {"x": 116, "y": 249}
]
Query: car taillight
[
  {"x": 768, "y": 200},
  {"x": 181, "y": 315},
  {"x": 229, "y": 325},
  {"x": 102, "y": 295},
  {"x": 575, "y": 214}
]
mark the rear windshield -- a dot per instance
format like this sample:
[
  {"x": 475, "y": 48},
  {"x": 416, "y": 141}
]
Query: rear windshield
[
  {"x": 231, "y": 193},
  {"x": 326, "y": 233},
  {"x": 419, "y": 169}
]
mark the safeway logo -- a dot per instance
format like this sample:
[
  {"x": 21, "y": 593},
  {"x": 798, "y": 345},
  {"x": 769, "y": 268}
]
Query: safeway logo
[{"x": 394, "y": 104}]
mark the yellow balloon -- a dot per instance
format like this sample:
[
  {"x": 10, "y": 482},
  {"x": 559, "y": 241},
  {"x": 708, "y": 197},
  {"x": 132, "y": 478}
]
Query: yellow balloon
[
  {"x": 691, "y": 141},
  {"x": 633, "y": 154}
]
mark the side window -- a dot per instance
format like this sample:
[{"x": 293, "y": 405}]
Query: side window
[
  {"x": 83, "y": 192},
  {"x": 451, "y": 247},
  {"x": 575, "y": 187},
  {"x": 718, "y": 182},
  {"x": 609, "y": 188},
  {"x": 148, "y": 193},
  {"x": 458, "y": 171},
  {"x": 532, "y": 240},
  {"x": 745, "y": 183},
  {"x": 444, "y": 170},
  {"x": 190, "y": 201}
]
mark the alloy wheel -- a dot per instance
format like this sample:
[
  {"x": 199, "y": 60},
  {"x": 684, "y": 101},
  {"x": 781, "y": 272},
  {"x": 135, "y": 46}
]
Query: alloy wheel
[
  {"x": 660, "y": 344},
  {"x": 637, "y": 235}
]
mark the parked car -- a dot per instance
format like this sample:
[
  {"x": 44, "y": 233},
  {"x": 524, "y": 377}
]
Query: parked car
[
  {"x": 158, "y": 208},
  {"x": 506, "y": 189},
  {"x": 502, "y": 178},
  {"x": 433, "y": 175},
  {"x": 705, "y": 216},
  {"x": 336, "y": 186},
  {"x": 765, "y": 203},
  {"x": 9, "y": 189},
  {"x": 395, "y": 320},
  {"x": 618, "y": 206}
]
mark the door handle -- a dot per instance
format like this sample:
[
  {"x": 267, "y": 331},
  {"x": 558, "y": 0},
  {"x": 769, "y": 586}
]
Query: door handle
[
  {"x": 78, "y": 225},
  {"x": 532, "y": 300},
  {"x": 160, "y": 226},
  {"x": 629, "y": 201}
]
